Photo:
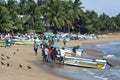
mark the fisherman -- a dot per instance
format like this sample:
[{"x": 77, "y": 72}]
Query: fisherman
[
  {"x": 43, "y": 53},
  {"x": 54, "y": 54},
  {"x": 6, "y": 42},
  {"x": 64, "y": 42},
  {"x": 46, "y": 53},
  {"x": 74, "y": 49},
  {"x": 35, "y": 47},
  {"x": 50, "y": 49},
  {"x": 62, "y": 51}
]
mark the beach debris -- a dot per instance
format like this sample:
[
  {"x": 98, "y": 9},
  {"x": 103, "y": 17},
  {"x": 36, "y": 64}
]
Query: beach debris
[
  {"x": 28, "y": 67},
  {"x": 8, "y": 64},
  {"x": 2, "y": 54},
  {"x": 20, "y": 66},
  {"x": 2, "y": 63},
  {"x": 8, "y": 57},
  {"x": 2, "y": 58}
]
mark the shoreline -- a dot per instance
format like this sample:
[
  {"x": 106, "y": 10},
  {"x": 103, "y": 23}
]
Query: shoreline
[
  {"x": 102, "y": 38},
  {"x": 25, "y": 56}
]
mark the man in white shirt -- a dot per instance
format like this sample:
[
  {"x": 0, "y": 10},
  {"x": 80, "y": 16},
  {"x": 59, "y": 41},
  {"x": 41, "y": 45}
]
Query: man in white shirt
[
  {"x": 46, "y": 54},
  {"x": 62, "y": 51}
]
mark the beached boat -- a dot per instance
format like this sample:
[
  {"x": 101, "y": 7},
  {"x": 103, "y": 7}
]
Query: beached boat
[
  {"x": 26, "y": 42},
  {"x": 82, "y": 62},
  {"x": 2, "y": 43},
  {"x": 79, "y": 51},
  {"x": 79, "y": 60}
]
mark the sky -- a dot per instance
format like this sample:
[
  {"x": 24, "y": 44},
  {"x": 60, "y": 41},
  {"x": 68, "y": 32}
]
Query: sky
[{"x": 109, "y": 7}]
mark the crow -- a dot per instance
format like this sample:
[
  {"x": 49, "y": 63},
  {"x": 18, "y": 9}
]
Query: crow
[
  {"x": 2, "y": 63},
  {"x": 2, "y": 54},
  {"x": 8, "y": 64},
  {"x": 2, "y": 58},
  {"x": 28, "y": 67},
  {"x": 8, "y": 57},
  {"x": 20, "y": 66}
]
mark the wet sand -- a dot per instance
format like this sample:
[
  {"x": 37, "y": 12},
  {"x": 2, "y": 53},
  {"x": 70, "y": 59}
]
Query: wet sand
[{"x": 24, "y": 55}]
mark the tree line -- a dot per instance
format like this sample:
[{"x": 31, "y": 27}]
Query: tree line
[{"x": 57, "y": 15}]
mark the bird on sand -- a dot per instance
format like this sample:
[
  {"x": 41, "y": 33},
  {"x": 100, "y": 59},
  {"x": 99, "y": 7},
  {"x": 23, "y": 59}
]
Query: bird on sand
[
  {"x": 2, "y": 54},
  {"x": 28, "y": 67},
  {"x": 20, "y": 66},
  {"x": 2, "y": 58},
  {"x": 2, "y": 63},
  {"x": 8, "y": 64},
  {"x": 8, "y": 57}
]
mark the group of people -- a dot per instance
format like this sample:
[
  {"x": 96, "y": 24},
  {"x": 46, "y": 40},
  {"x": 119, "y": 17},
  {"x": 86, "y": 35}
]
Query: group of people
[{"x": 50, "y": 53}]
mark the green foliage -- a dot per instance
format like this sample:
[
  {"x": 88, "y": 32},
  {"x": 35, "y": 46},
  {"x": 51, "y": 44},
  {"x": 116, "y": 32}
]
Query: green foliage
[
  {"x": 116, "y": 22},
  {"x": 67, "y": 14},
  {"x": 5, "y": 20},
  {"x": 2, "y": 3},
  {"x": 40, "y": 29},
  {"x": 60, "y": 13}
]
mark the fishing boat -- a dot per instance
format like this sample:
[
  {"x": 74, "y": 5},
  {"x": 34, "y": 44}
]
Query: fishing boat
[
  {"x": 23, "y": 42},
  {"x": 79, "y": 60},
  {"x": 82, "y": 62},
  {"x": 26, "y": 42},
  {"x": 2, "y": 43},
  {"x": 79, "y": 51}
]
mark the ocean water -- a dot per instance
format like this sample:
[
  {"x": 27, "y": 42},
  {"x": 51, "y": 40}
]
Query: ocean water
[{"x": 111, "y": 51}]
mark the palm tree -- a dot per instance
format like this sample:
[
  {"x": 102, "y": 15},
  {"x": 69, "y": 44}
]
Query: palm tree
[
  {"x": 33, "y": 11},
  {"x": 12, "y": 6},
  {"x": 22, "y": 7},
  {"x": 91, "y": 22},
  {"x": 104, "y": 22},
  {"x": 73, "y": 13},
  {"x": 5, "y": 20},
  {"x": 60, "y": 13},
  {"x": 117, "y": 21},
  {"x": 2, "y": 3}
]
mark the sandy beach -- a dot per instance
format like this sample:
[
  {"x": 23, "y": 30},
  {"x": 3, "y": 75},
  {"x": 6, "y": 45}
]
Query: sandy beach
[
  {"x": 17, "y": 58},
  {"x": 23, "y": 55},
  {"x": 102, "y": 38}
]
